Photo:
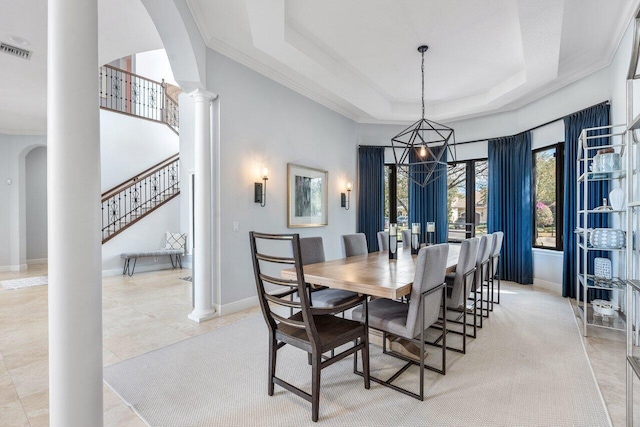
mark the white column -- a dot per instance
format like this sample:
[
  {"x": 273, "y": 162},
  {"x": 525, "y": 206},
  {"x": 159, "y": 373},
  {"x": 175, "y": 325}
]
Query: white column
[
  {"x": 203, "y": 254},
  {"x": 75, "y": 289}
]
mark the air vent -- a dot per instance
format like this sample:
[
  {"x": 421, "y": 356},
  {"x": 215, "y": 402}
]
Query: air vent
[{"x": 15, "y": 51}]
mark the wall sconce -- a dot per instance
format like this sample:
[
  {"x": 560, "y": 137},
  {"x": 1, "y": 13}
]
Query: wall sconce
[
  {"x": 260, "y": 189},
  {"x": 345, "y": 198}
]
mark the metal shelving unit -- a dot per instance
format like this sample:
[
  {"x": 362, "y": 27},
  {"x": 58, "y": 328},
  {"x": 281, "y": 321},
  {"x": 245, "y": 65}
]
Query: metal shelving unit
[
  {"x": 633, "y": 226},
  {"x": 615, "y": 136}
]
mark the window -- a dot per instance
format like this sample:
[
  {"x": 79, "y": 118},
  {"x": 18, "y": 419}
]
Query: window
[
  {"x": 396, "y": 199},
  {"x": 467, "y": 184},
  {"x": 548, "y": 179}
]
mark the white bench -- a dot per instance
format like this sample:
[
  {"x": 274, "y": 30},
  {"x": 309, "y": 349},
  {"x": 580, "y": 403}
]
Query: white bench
[{"x": 128, "y": 256}]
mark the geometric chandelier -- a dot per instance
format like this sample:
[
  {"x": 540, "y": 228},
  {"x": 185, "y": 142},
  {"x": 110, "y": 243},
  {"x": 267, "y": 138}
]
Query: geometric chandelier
[{"x": 421, "y": 149}]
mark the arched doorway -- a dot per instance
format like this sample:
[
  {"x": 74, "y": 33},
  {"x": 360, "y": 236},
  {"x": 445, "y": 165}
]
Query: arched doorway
[{"x": 36, "y": 205}]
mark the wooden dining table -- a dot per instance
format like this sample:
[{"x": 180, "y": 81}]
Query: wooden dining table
[{"x": 371, "y": 274}]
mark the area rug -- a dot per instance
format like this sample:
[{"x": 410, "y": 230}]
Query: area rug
[
  {"x": 25, "y": 282},
  {"x": 526, "y": 368}
]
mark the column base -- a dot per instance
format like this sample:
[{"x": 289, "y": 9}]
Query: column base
[{"x": 202, "y": 315}]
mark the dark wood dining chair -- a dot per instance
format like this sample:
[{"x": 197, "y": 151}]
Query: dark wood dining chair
[
  {"x": 309, "y": 329},
  {"x": 410, "y": 321}
]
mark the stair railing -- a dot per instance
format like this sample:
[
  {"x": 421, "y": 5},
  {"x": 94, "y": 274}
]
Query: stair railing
[
  {"x": 129, "y": 93},
  {"x": 130, "y": 201}
]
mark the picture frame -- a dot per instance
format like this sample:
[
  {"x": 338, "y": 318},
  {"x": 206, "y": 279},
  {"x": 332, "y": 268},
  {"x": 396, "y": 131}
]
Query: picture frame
[{"x": 307, "y": 196}]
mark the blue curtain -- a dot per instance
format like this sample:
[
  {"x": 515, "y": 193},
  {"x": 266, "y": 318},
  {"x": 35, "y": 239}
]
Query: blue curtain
[
  {"x": 573, "y": 125},
  {"x": 371, "y": 193},
  {"x": 429, "y": 203},
  {"x": 510, "y": 204}
]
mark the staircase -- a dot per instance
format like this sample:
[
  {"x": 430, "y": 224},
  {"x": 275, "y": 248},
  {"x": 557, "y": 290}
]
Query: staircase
[
  {"x": 132, "y": 200},
  {"x": 128, "y": 93}
]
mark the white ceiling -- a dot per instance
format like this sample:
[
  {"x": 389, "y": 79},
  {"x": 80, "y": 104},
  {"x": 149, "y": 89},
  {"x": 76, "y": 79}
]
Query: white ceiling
[
  {"x": 359, "y": 57},
  {"x": 124, "y": 28}
]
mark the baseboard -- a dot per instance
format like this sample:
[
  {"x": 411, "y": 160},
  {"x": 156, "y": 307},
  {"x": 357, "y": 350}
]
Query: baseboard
[
  {"x": 549, "y": 286},
  {"x": 139, "y": 269},
  {"x": 236, "y": 306},
  {"x": 37, "y": 261},
  {"x": 18, "y": 267}
]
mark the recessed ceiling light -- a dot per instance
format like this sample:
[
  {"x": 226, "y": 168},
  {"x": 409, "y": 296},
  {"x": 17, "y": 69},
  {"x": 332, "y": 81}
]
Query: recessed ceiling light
[{"x": 19, "y": 40}]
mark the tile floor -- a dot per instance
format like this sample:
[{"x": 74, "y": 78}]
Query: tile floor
[
  {"x": 140, "y": 314},
  {"x": 149, "y": 311}
]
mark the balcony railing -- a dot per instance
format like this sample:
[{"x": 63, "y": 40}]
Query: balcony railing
[
  {"x": 129, "y": 93},
  {"x": 127, "y": 203}
]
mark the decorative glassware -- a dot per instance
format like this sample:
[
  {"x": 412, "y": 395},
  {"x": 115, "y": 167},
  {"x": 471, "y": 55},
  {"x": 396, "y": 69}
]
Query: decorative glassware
[
  {"x": 415, "y": 237},
  {"x": 393, "y": 241},
  {"x": 431, "y": 228}
]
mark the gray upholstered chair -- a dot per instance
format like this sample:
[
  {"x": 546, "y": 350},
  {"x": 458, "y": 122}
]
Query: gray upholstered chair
[
  {"x": 410, "y": 321},
  {"x": 312, "y": 251},
  {"x": 459, "y": 287},
  {"x": 354, "y": 244},
  {"x": 498, "y": 238},
  {"x": 406, "y": 238},
  {"x": 482, "y": 272},
  {"x": 383, "y": 240}
]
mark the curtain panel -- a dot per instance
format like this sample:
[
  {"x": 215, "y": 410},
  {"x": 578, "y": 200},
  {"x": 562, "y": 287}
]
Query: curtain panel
[
  {"x": 429, "y": 203},
  {"x": 573, "y": 124},
  {"x": 371, "y": 193},
  {"x": 510, "y": 204}
]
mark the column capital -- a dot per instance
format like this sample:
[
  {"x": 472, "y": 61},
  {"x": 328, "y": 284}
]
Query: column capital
[{"x": 202, "y": 95}]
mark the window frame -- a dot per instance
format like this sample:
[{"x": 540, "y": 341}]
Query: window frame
[
  {"x": 393, "y": 192},
  {"x": 559, "y": 173},
  {"x": 470, "y": 197}
]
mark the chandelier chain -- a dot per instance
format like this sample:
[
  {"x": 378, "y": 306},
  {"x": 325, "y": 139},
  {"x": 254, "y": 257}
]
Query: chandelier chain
[{"x": 422, "y": 85}]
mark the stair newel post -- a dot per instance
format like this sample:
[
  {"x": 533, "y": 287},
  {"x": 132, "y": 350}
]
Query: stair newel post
[
  {"x": 164, "y": 101},
  {"x": 102, "y": 218},
  {"x": 126, "y": 211}
]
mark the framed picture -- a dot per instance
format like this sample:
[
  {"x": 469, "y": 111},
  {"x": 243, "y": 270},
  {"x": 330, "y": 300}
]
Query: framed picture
[{"x": 306, "y": 196}]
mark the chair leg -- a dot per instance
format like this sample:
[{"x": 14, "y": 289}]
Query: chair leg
[
  {"x": 475, "y": 310},
  {"x": 444, "y": 334},
  {"x": 273, "y": 349},
  {"x": 464, "y": 321},
  {"x": 315, "y": 386},
  {"x": 365, "y": 362}
]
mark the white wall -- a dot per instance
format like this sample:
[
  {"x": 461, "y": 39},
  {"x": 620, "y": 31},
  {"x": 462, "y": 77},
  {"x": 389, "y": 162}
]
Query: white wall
[
  {"x": 13, "y": 151},
  {"x": 264, "y": 123},
  {"x": 36, "y": 204},
  {"x": 129, "y": 145},
  {"x": 187, "y": 161},
  {"x": 154, "y": 65}
]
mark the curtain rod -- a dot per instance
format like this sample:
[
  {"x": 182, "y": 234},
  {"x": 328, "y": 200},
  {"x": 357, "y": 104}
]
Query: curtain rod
[{"x": 528, "y": 130}]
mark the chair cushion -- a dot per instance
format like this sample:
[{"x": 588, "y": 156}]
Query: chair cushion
[
  {"x": 333, "y": 332},
  {"x": 387, "y": 315},
  {"x": 329, "y": 298}
]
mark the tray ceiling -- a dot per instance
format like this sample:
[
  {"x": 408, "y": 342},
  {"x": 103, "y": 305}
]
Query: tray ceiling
[{"x": 359, "y": 57}]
